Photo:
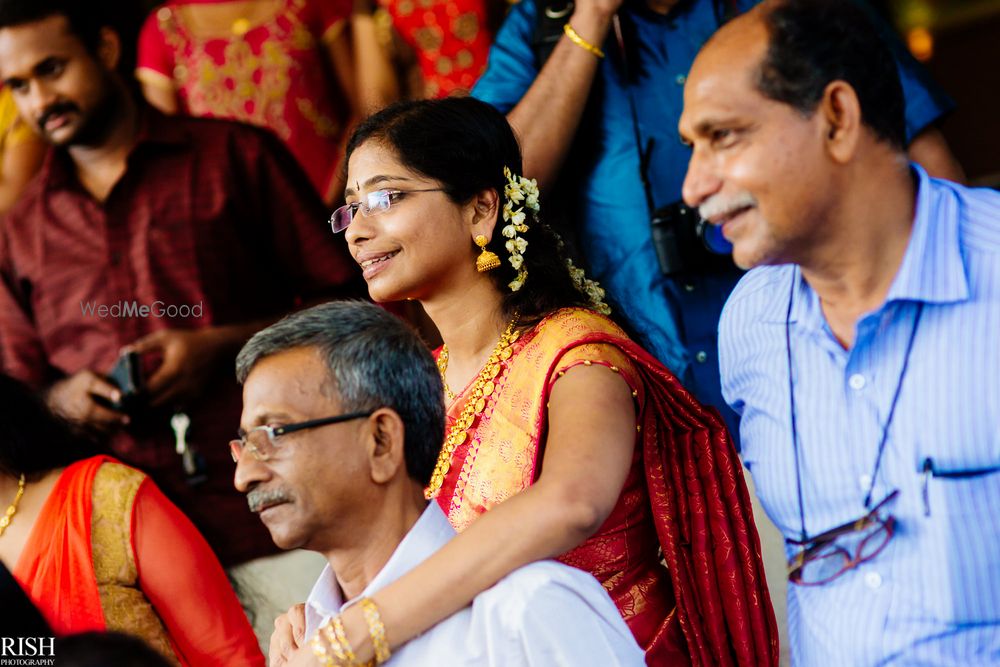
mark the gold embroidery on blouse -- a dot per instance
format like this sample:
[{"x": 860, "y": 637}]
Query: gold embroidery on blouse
[
  {"x": 428, "y": 38},
  {"x": 405, "y": 7},
  {"x": 125, "y": 607},
  {"x": 466, "y": 27},
  {"x": 247, "y": 87},
  {"x": 463, "y": 58},
  {"x": 443, "y": 65},
  {"x": 325, "y": 126}
]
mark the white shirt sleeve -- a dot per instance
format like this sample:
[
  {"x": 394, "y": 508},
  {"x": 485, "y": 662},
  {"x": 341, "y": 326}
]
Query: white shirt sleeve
[{"x": 551, "y": 615}]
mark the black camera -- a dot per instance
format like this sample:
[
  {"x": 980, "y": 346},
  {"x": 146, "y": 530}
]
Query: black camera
[{"x": 686, "y": 243}]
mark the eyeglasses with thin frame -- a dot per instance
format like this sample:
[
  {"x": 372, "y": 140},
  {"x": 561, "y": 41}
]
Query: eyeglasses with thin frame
[
  {"x": 373, "y": 203},
  {"x": 821, "y": 559},
  {"x": 260, "y": 440}
]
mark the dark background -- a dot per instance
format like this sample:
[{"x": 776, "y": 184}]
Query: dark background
[{"x": 965, "y": 60}]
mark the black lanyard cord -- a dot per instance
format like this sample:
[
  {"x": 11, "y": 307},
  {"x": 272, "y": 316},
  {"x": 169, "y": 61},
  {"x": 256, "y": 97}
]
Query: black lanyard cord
[{"x": 791, "y": 402}]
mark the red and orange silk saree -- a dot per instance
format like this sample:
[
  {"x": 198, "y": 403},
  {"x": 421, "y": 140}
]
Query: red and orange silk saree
[{"x": 679, "y": 553}]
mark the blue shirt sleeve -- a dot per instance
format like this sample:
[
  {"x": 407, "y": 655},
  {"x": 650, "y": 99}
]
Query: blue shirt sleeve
[{"x": 511, "y": 68}]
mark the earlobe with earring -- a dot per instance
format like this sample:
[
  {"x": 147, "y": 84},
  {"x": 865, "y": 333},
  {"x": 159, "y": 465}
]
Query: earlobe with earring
[{"x": 487, "y": 260}]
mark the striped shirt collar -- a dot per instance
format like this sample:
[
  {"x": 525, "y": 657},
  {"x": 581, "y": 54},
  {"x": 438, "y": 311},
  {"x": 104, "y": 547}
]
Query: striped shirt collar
[{"x": 933, "y": 269}]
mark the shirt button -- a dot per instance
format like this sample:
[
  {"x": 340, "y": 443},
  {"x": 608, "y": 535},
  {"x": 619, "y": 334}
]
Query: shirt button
[
  {"x": 864, "y": 481},
  {"x": 857, "y": 382},
  {"x": 680, "y": 79},
  {"x": 873, "y": 580},
  {"x": 688, "y": 287},
  {"x": 702, "y": 356}
]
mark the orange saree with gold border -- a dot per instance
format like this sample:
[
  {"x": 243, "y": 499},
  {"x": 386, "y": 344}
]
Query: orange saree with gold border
[
  {"x": 679, "y": 553},
  {"x": 109, "y": 552}
]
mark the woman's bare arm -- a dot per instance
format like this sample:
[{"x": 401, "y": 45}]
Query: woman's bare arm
[
  {"x": 377, "y": 82},
  {"x": 588, "y": 453}
]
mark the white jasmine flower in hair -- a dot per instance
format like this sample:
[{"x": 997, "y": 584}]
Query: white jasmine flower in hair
[
  {"x": 594, "y": 292},
  {"x": 524, "y": 191},
  {"x": 513, "y": 193}
]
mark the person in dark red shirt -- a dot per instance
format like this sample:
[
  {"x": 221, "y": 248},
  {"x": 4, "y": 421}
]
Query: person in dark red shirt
[{"x": 174, "y": 238}]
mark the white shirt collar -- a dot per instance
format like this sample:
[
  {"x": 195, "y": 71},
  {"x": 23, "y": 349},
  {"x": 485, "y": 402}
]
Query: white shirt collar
[{"x": 428, "y": 534}]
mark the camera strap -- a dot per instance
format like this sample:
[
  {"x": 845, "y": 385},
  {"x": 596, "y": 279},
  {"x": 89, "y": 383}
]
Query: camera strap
[
  {"x": 724, "y": 11},
  {"x": 645, "y": 149}
]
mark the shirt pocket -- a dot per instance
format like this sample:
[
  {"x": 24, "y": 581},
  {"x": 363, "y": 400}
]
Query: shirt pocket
[{"x": 962, "y": 516}]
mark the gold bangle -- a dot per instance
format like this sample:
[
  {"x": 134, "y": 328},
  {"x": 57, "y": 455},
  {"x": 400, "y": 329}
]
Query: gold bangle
[
  {"x": 320, "y": 651},
  {"x": 345, "y": 646},
  {"x": 376, "y": 629},
  {"x": 333, "y": 640},
  {"x": 581, "y": 42}
]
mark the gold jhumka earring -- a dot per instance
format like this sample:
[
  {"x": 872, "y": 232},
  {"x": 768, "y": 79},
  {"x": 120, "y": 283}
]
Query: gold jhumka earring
[{"x": 487, "y": 260}]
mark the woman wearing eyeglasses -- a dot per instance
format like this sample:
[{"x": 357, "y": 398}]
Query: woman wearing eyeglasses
[
  {"x": 96, "y": 545},
  {"x": 564, "y": 438}
]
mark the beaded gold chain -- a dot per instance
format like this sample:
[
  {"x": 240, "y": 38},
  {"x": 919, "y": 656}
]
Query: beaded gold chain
[
  {"x": 474, "y": 405},
  {"x": 12, "y": 509},
  {"x": 442, "y": 364}
]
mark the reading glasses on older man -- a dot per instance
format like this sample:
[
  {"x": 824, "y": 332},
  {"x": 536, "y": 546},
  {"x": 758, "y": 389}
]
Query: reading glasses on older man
[
  {"x": 260, "y": 440},
  {"x": 823, "y": 558},
  {"x": 371, "y": 204}
]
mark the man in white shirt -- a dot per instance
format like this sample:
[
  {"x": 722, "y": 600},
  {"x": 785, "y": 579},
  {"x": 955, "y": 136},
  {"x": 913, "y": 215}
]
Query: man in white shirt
[{"x": 342, "y": 422}]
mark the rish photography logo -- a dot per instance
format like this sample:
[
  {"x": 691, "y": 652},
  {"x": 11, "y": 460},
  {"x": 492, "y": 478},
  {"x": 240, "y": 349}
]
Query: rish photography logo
[
  {"x": 27, "y": 650},
  {"x": 134, "y": 309}
]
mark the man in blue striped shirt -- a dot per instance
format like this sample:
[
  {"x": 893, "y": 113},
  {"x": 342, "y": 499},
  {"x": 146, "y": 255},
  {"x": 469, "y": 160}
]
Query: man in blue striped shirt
[{"x": 863, "y": 352}]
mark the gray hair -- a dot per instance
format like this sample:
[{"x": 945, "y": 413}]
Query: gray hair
[{"x": 374, "y": 360}]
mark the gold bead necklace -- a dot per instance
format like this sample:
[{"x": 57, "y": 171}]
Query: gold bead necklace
[
  {"x": 12, "y": 509},
  {"x": 442, "y": 364},
  {"x": 474, "y": 405}
]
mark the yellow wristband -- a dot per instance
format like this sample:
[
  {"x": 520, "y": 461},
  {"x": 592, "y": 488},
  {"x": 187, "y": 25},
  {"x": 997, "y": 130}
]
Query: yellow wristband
[{"x": 581, "y": 42}]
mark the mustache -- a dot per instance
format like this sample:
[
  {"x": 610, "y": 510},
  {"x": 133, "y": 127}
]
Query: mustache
[
  {"x": 258, "y": 499},
  {"x": 721, "y": 205},
  {"x": 55, "y": 110}
]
